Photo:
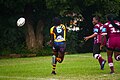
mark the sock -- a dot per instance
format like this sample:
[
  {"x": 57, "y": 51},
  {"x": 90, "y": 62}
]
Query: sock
[
  {"x": 54, "y": 67},
  {"x": 100, "y": 59},
  {"x": 118, "y": 58},
  {"x": 110, "y": 62},
  {"x": 58, "y": 59}
]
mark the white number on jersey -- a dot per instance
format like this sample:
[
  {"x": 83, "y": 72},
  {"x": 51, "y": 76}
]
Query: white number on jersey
[
  {"x": 59, "y": 29},
  {"x": 114, "y": 31}
]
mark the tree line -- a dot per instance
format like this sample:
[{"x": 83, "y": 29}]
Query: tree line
[{"x": 34, "y": 35}]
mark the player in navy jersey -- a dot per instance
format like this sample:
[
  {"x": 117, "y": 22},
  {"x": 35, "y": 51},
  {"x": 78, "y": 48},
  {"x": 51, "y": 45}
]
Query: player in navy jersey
[
  {"x": 58, "y": 42},
  {"x": 112, "y": 30},
  {"x": 97, "y": 41}
]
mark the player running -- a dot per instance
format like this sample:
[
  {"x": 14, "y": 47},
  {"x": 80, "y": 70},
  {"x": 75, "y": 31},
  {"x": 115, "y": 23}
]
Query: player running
[
  {"x": 58, "y": 42},
  {"x": 97, "y": 41},
  {"x": 112, "y": 30}
]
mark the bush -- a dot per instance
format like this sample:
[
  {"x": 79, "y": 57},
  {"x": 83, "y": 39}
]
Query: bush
[{"x": 45, "y": 51}]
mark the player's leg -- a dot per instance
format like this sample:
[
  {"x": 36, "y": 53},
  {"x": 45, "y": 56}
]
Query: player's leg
[
  {"x": 60, "y": 58},
  {"x": 97, "y": 55},
  {"x": 111, "y": 44},
  {"x": 61, "y": 52},
  {"x": 54, "y": 61},
  {"x": 110, "y": 60},
  {"x": 117, "y": 54}
]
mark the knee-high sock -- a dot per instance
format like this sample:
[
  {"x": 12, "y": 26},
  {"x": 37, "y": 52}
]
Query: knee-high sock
[
  {"x": 117, "y": 57},
  {"x": 58, "y": 59},
  {"x": 110, "y": 62},
  {"x": 99, "y": 57},
  {"x": 54, "y": 67}
]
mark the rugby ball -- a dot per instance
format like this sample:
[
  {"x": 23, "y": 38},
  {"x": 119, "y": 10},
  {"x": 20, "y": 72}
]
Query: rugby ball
[{"x": 20, "y": 22}]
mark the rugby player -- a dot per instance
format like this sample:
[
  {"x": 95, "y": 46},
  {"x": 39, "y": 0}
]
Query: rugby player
[
  {"x": 58, "y": 42},
  {"x": 112, "y": 30},
  {"x": 97, "y": 41}
]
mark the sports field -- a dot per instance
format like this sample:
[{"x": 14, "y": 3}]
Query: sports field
[{"x": 74, "y": 67}]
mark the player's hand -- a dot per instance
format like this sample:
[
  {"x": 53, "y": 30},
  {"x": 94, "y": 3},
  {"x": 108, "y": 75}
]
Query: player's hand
[
  {"x": 86, "y": 38},
  {"x": 50, "y": 43},
  {"x": 101, "y": 46}
]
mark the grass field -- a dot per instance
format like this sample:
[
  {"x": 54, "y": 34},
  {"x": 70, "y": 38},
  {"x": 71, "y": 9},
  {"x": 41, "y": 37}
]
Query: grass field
[{"x": 74, "y": 67}]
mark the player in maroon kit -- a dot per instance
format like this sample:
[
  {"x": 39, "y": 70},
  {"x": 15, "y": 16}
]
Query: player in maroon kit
[
  {"x": 112, "y": 30},
  {"x": 97, "y": 41}
]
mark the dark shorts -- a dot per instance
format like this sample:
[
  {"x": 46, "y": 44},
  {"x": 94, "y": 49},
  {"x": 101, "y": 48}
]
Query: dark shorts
[
  {"x": 114, "y": 44},
  {"x": 59, "y": 47},
  {"x": 96, "y": 49}
]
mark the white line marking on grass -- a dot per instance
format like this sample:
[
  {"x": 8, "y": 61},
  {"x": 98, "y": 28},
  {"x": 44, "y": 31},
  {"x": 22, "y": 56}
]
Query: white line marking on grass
[
  {"x": 26, "y": 78},
  {"x": 78, "y": 56}
]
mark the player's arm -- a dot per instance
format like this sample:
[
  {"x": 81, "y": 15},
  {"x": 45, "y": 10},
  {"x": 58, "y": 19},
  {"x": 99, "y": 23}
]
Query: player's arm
[
  {"x": 51, "y": 37},
  {"x": 95, "y": 30},
  {"x": 104, "y": 33},
  {"x": 91, "y": 36},
  {"x": 103, "y": 38}
]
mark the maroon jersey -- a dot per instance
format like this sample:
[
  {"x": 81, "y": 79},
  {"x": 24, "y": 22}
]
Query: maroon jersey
[
  {"x": 97, "y": 30},
  {"x": 113, "y": 35},
  {"x": 110, "y": 30}
]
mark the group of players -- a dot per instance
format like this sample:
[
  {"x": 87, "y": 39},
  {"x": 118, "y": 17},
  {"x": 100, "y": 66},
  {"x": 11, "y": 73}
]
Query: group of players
[{"x": 111, "y": 29}]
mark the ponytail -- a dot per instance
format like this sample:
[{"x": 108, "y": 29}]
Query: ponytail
[
  {"x": 115, "y": 25},
  {"x": 111, "y": 18}
]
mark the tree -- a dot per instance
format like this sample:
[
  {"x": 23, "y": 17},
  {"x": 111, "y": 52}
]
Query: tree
[
  {"x": 87, "y": 8},
  {"x": 34, "y": 34},
  {"x": 37, "y": 12},
  {"x": 27, "y": 9}
]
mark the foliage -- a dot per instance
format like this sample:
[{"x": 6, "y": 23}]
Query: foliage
[
  {"x": 12, "y": 38},
  {"x": 76, "y": 43},
  {"x": 46, "y": 51},
  {"x": 72, "y": 42}
]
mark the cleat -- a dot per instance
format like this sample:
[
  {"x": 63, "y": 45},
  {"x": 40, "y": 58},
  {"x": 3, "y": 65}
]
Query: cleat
[
  {"x": 53, "y": 59},
  {"x": 53, "y": 72},
  {"x": 112, "y": 72},
  {"x": 103, "y": 64}
]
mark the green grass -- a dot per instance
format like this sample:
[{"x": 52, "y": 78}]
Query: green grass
[{"x": 74, "y": 67}]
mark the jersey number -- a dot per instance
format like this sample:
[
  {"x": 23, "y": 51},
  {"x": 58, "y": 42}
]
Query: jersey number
[
  {"x": 114, "y": 31},
  {"x": 59, "y": 30}
]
